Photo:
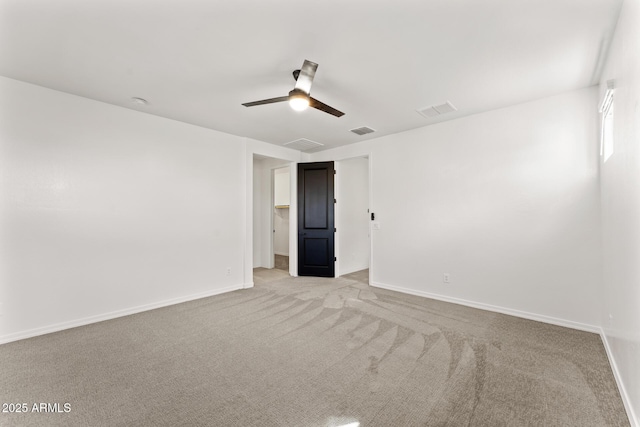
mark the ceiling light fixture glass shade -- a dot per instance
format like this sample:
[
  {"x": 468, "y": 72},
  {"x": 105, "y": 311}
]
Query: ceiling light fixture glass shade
[{"x": 298, "y": 101}]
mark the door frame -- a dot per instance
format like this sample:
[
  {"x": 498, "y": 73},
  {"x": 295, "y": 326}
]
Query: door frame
[{"x": 266, "y": 210}]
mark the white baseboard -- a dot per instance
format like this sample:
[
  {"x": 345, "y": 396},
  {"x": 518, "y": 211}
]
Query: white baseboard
[
  {"x": 112, "y": 315},
  {"x": 633, "y": 419},
  {"x": 496, "y": 309}
]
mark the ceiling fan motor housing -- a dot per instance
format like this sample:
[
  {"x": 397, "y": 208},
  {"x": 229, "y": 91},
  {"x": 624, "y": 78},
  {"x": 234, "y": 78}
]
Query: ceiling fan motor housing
[{"x": 297, "y": 93}]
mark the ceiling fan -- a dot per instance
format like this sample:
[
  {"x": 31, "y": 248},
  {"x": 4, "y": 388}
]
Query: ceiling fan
[{"x": 299, "y": 98}]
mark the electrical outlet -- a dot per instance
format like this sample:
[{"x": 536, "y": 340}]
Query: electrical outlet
[
  {"x": 229, "y": 271},
  {"x": 446, "y": 278}
]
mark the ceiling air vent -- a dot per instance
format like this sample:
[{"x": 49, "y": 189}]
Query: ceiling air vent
[
  {"x": 303, "y": 144},
  {"x": 436, "y": 110},
  {"x": 363, "y": 130}
]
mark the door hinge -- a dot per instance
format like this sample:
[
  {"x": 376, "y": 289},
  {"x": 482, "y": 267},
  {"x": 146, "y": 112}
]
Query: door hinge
[
  {"x": 335, "y": 171},
  {"x": 335, "y": 258},
  {"x": 335, "y": 201},
  {"x": 335, "y": 230}
]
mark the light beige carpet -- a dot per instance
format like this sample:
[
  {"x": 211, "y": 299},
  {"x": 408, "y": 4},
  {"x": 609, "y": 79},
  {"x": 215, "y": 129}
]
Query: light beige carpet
[
  {"x": 313, "y": 352},
  {"x": 281, "y": 262}
]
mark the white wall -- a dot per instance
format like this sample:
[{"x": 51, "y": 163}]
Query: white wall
[
  {"x": 106, "y": 210},
  {"x": 281, "y": 190},
  {"x": 282, "y": 197},
  {"x": 258, "y": 213},
  {"x": 506, "y": 202},
  {"x": 620, "y": 187},
  {"x": 281, "y": 231},
  {"x": 352, "y": 218}
]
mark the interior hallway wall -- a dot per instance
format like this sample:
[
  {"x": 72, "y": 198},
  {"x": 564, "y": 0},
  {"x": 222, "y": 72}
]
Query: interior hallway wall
[
  {"x": 352, "y": 217},
  {"x": 620, "y": 186},
  {"x": 258, "y": 214},
  {"x": 281, "y": 194}
]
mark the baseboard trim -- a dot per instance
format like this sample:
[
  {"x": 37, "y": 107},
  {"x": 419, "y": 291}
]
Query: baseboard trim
[
  {"x": 626, "y": 400},
  {"x": 112, "y": 315},
  {"x": 497, "y": 309}
]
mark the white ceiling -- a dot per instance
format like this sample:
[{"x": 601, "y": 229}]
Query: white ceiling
[{"x": 197, "y": 61}]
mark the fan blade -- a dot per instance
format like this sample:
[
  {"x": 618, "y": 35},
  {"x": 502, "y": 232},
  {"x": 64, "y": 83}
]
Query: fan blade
[
  {"x": 305, "y": 78},
  {"x": 324, "y": 107},
  {"x": 266, "y": 101}
]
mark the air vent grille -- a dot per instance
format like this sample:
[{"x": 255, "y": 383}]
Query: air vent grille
[
  {"x": 436, "y": 110},
  {"x": 428, "y": 112},
  {"x": 303, "y": 144},
  {"x": 363, "y": 130}
]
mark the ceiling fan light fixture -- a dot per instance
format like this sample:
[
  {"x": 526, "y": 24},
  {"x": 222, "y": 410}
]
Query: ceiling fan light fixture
[
  {"x": 298, "y": 101},
  {"x": 299, "y": 98}
]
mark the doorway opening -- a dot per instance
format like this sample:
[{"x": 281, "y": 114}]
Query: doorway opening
[
  {"x": 353, "y": 219},
  {"x": 271, "y": 225}
]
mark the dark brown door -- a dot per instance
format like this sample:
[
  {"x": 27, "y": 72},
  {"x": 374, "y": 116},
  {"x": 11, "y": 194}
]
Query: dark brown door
[{"x": 316, "y": 220}]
